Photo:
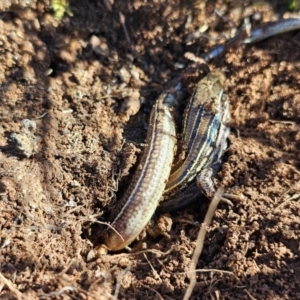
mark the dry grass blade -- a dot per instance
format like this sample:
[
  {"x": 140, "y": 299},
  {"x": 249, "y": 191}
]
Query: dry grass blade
[{"x": 200, "y": 241}]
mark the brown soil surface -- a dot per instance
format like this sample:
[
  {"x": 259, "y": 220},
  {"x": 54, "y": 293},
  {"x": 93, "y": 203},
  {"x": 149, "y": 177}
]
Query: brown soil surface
[{"x": 67, "y": 152}]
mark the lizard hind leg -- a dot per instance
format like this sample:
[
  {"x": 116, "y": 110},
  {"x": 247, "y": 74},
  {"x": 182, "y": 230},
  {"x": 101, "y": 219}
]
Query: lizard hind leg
[{"x": 207, "y": 186}]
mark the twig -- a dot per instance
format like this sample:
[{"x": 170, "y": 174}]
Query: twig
[
  {"x": 205, "y": 271},
  {"x": 119, "y": 280},
  {"x": 156, "y": 275},
  {"x": 108, "y": 4},
  {"x": 58, "y": 293},
  {"x": 111, "y": 227},
  {"x": 200, "y": 241},
  {"x": 154, "y": 251},
  {"x": 201, "y": 271},
  {"x": 262, "y": 32},
  {"x": 122, "y": 19},
  {"x": 251, "y": 297},
  {"x": 10, "y": 286},
  {"x": 153, "y": 290}
]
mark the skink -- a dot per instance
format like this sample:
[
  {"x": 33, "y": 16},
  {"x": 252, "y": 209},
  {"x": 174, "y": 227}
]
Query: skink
[
  {"x": 201, "y": 130},
  {"x": 207, "y": 150},
  {"x": 140, "y": 200},
  {"x": 180, "y": 191},
  {"x": 142, "y": 196}
]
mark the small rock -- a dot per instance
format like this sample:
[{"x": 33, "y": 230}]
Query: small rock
[
  {"x": 25, "y": 142},
  {"x": 125, "y": 75},
  {"x": 99, "y": 45}
]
